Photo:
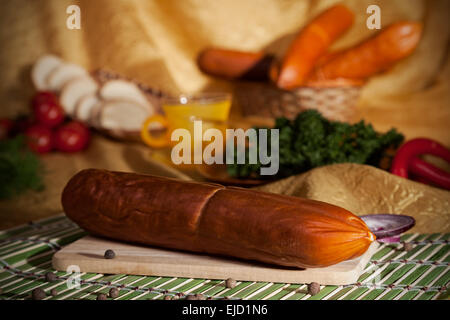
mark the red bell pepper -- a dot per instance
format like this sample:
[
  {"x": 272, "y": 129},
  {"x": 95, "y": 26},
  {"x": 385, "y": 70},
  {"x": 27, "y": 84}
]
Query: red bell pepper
[
  {"x": 406, "y": 160},
  {"x": 431, "y": 173}
]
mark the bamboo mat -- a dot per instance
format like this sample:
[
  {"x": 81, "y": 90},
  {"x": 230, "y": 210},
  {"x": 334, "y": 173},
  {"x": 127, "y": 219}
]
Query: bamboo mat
[{"x": 392, "y": 274}]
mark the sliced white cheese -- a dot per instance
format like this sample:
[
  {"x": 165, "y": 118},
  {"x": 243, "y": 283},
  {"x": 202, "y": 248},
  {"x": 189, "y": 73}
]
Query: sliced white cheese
[
  {"x": 74, "y": 90},
  {"x": 121, "y": 115},
  {"x": 84, "y": 107},
  {"x": 127, "y": 91},
  {"x": 63, "y": 74},
  {"x": 43, "y": 67}
]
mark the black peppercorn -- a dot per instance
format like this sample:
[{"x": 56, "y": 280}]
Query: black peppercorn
[
  {"x": 109, "y": 254},
  {"x": 38, "y": 294},
  {"x": 200, "y": 296},
  {"x": 230, "y": 283},
  {"x": 114, "y": 293},
  {"x": 102, "y": 296},
  {"x": 313, "y": 288},
  {"x": 50, "y": 277},
  {"x": 408, "y": 246}
]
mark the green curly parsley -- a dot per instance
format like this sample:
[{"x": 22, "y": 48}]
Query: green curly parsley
[
  {"x": 312, "y": 141},
  {"x": 20, "y": 169}
]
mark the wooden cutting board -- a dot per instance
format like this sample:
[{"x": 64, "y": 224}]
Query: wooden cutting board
[{"x": 87, "y": 253}]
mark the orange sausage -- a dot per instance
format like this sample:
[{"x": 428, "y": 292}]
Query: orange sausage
[
  {"x": 374, "y": 55},
  {"x": 232, "y": 64},
  {"x": 311, "y": 43}
]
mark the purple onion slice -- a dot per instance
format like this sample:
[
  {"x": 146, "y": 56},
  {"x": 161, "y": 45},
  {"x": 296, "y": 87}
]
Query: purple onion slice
[
  {"x": 393, "y": 239},
  {"x": 388, "y": 225}
]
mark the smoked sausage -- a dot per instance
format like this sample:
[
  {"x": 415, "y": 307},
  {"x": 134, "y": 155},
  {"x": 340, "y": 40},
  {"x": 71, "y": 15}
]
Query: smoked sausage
[
  {"x": 374, "y": 55},
  {"x": 310, "y": 44},
  {"x": 235, "y": 65},
  {"x": 213, "y": 219}
]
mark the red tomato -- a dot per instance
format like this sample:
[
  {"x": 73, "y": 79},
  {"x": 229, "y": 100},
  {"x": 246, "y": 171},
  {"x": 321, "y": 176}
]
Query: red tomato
[
  {"x": 48, "y": 113},
  {"x": 72, "y": 137},
  {"x": 39, "y": 138},
  {"x": 78, "y": 126},
  {"x": 6, "y": 126},
  {"x": 43, "y": 96}
]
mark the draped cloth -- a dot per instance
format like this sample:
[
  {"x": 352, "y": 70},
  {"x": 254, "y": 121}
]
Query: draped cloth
[{"x": 156, "y": 42}]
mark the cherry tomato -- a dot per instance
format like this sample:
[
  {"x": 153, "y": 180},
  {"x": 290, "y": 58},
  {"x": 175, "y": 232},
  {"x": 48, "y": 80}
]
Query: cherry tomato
[
  {"x": 43, "y": 96},
  {"x": 48, "y": 113},
  {"x": 72, "y": 137},
  {"x": 6, "y": 126},
  {"x": 78, "y": 126},
  {"x": 39, "y": 138}
]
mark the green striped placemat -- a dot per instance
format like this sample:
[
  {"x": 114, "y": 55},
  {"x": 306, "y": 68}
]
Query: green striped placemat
[{"x": 26, "y": 252}]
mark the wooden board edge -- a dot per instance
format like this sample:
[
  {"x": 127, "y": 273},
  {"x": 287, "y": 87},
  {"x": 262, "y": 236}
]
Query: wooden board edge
[{"x": 62, "y": 261}]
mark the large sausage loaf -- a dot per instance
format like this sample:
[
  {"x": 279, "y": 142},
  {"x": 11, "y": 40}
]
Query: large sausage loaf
[{"x": 213, "y": 219}]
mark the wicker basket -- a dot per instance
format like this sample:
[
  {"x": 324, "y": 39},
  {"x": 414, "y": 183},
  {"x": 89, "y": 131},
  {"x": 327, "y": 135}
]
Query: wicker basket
[{"x": 265, "y": 100}]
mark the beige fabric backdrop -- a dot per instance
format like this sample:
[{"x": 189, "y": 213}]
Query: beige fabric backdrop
[{"x": 157, "y": 41}]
